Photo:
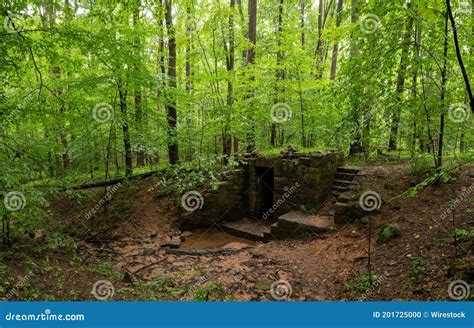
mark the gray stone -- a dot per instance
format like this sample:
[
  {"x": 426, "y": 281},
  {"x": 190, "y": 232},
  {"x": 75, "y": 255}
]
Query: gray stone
[
  {"x": 347, "y": 212},
  {"x": 175, "y": 242}
]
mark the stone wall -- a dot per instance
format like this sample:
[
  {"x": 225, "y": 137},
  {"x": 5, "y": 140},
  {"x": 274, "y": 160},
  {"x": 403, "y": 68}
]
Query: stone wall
[
  {"x": 227, "y": 203},
  {"x": 298, "y": 180}
]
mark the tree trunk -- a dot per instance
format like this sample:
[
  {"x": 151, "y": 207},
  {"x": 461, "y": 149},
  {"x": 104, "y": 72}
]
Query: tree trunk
[
  {"x": 356, "y": 143},
  {"x": 56, "y": 73},
  {"x": 188, "y": 153},
  {"x": 188, "y": 46},
  {"x": 252, "y": 37},
  {"x": 173, "y": 153},
  {"x": 459, "y": 56},
  {"x": 138, "y": 98},
  {"x": 302, "y": 22},
  {"x": 443, "y": 93},
  {"x": 126, "y": 134},
  {"x": 416, "y": 58},
  {"x": 336, "y": 45},
  {"x": 244, "y": 31},
  {"x": 462, "y": 143},
  {"x": 392, "y": 144},
  {"x": 280, "y": 72},
  {"x": 319, "y": 45},
  {"x": 226, "y": 135}
]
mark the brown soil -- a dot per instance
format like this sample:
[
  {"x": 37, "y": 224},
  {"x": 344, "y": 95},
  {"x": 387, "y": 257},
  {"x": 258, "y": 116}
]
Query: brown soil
[
  {"x": 320, "y": 268},
  {"x": 211, "y": 238}
]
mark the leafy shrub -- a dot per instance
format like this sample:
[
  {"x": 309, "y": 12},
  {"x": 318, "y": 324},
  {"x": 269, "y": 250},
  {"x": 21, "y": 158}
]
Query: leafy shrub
[
  {"x": 417, "y": 267},
  {"x": 190, "y": 176},
  {"x": 421, "y": 166},
  {"x": 361, "y": 283},
  {"x": 464, "y": 234}
]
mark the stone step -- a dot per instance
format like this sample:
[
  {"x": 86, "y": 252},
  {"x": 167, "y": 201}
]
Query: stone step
[
  {"x": 347, "y": 212},
  {"x": 297, "y": 224},
  {"x": 345, "y": 176},
  {"x": 340, "y": 188},
  {"x": 348, "y": 169},
  {"x": 343, "y": 198},
  {"x": 246, "y": 228},
  {"x": 271, "y": 235},
  {"x": 339, "y": 182}
]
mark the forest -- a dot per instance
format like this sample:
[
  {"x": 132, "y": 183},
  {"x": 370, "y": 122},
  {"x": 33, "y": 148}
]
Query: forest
[{"x": 121, "y": 120}]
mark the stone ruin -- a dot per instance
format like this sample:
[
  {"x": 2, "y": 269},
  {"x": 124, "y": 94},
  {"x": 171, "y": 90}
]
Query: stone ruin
[{"x": 264, "y": 190}]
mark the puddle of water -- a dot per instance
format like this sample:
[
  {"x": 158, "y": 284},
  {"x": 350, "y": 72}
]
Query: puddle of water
[{"x": 211, "y": 238}]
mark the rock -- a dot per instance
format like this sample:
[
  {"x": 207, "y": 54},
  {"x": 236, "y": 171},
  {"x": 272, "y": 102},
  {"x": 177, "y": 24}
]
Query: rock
[
  {"x": 186, "y": 234},
  {"x": 258, "y": 254},
  {"x": 175, "y": 242},
  {"x": 165, "y": 241},
  {"x": 388, "y": 232},
  {"x": 264, "y": 284},
  {"x": 171, "y": 259},
  {"x": 236, "y": 245}
]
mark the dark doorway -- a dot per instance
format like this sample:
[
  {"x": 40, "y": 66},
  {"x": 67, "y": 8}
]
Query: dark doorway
[{"x": 265, "y": 187}]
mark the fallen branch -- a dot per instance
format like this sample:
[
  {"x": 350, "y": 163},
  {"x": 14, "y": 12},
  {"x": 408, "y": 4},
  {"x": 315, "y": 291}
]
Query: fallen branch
[
  {"x": 149, "y": 266},
  {"x": 104, "y": 183}
]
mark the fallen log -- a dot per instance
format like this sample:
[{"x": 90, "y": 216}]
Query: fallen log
[{"x": 105, "y": 183}]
